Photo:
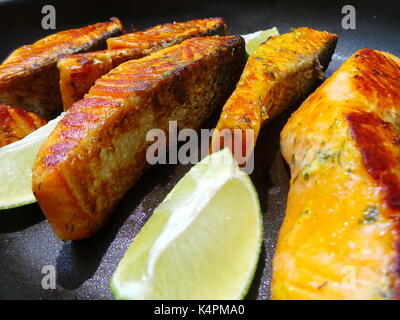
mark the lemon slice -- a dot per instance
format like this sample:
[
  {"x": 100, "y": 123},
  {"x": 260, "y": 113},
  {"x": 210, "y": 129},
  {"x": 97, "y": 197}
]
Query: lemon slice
[
  {"x": 202, "y": 242},
  {"x": 253, "y": 40},
  {"x": 16, "y": 161}
]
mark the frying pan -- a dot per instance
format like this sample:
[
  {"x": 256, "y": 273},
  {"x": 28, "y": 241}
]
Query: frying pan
[{"x": 84, "y": 267}]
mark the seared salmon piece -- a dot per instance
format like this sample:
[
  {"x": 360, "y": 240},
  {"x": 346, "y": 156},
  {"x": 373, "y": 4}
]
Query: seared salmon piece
[
  {"x": 29, "y": 77},
  {"x": 168, "y": 34},
  {"x": 16, "y": 123},
  {"x": 98, "y": 150},
  {"x": 79, "y": 72},
  {"x": 280, "y": 72},
  {"x": 341, "y": 235}
]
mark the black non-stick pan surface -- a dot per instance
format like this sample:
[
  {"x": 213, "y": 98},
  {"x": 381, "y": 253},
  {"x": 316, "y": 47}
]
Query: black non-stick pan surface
[{"x": 84, "y": 267}]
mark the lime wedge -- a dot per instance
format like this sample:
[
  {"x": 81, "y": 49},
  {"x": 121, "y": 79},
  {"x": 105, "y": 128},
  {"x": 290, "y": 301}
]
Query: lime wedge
[
  {"x": 253, "y": 40},
  {"x": 16, "y": 161},
  {"x": 202, "y": 242}
]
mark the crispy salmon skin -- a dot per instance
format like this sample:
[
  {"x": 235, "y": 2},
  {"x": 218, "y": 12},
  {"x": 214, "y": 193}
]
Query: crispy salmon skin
[
  {"x": 29, "y": 77},
  {"x": 98, "y": 150},
  {"x": 341, "y": 235},
  {"x": 16, "y": 123},
  {"x": 79, "y": 72},
  {"x": 280, "y": 72}
]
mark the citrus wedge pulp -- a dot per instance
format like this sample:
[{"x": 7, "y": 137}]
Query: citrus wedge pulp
[
  {"x": 202, "y": 242},
  {"x": 16, "y": 162},
  {"x": 253, "y": 40}
]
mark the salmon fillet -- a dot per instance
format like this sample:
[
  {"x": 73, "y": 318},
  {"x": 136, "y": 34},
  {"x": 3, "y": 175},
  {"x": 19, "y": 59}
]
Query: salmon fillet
[
  {"x": 168, "y": 34},
  {"x": 16, "y": 123},
  {"x": 79, "y": 72},
  {"x": 341, "y": 235},
  {"x": 280, "y": 72},
  {"x": 98, "y": 150},
  {"x": 29, "y": 77}
]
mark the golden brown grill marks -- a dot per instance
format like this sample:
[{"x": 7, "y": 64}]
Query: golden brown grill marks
[
  {"x": 280, "y": 72},
  {"x": 138, "y": 77},
  {"x": 371, "y": 135},
  {"x": 16, "y": 123},
  {"x": 122, "y": 81},
  {"x": 48, "y": 50},
  {"x": 98, "y": 150},
  {"x": 29, "y": 77},
  {"x": 79, "y": 72},
  {"x": 377, "y": 77},
  {"x": 345, "y": 137}
]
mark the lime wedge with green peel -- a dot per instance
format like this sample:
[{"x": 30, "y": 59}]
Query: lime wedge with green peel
[
  {"x": 16, "y": 161},
  {"x": 253, "y": 40},
  {"x": 202, "y": 242}
]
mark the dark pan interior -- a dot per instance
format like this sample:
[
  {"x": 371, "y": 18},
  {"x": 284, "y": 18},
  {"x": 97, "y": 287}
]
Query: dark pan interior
[{"x": 84, "y": 267}]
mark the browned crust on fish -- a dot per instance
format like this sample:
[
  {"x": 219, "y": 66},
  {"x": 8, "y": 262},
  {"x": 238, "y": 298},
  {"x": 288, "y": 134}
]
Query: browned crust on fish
[
  {"x": 168, "y": 34},
  {"x": 378, "y": 79},
  {"x": 16, "y": 123},
  {"x": 79, "y": 72},
  {"x": 29, "y": 76},
  {"x": 343, "y": 207},
  {"x": 280, "y": 72},
  {"x": 371, "y": 135},
  {"x": 97, "y": 152}
]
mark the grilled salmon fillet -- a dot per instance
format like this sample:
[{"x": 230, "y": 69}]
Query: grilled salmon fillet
[
  {"x": 29, "y": 76},
  {"x": 341, "y": 235},
  {"x": 280, "y": 72},
  {"x": 79, "y": 72},
  {"x": 98, "y": 150},
  {"x": 16, "y": 123},
  {"x": 168, "y": 34}
]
